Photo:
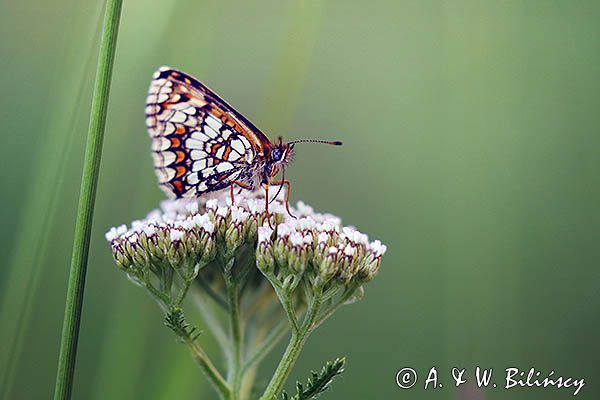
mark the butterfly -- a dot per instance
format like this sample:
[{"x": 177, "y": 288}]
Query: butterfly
[{"x": 201, "y": 144}]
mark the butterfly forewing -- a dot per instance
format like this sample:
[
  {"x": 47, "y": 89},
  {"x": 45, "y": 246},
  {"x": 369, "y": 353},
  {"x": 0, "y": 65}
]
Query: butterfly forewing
[{"x": 199, "y": 143}]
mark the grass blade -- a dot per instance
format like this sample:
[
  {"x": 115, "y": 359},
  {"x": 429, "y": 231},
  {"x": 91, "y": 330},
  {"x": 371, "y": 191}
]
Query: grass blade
[{"x": 89, "y": 183}]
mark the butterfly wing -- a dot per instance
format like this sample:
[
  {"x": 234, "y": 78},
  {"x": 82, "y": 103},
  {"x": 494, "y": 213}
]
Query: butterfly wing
[{"x": 199, "y": 142}]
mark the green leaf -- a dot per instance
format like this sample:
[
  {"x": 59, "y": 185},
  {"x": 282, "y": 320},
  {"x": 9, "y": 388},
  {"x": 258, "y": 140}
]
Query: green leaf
[
  {"x": 318, "y": 382},
  {"x": 175, "y": 320}
]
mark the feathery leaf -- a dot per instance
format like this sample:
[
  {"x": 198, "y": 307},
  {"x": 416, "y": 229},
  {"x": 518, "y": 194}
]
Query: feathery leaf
[{"x": 318, "y": 382}]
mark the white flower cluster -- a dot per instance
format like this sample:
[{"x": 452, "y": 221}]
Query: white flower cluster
[
  {"x": 163, "y": 235},
  {"x": 183, "y": 230},
  {"x": 323, "y": 244}
]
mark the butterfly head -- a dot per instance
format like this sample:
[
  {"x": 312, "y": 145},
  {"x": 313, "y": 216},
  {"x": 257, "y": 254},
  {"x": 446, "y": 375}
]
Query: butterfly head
[{"x": 279, "y": 156}]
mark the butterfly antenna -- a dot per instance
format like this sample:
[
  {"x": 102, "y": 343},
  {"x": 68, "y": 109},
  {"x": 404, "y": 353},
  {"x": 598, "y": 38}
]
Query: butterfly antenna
[{"x": 334, "y": 143}]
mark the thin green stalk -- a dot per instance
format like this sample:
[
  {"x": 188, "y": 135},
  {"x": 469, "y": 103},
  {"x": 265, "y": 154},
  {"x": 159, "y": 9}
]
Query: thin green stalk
[
  {"x": 236, "y": 338},
  {"x": 85, "y": 211},
  {"x": 329, "y": 312},
  {"x": 297, "y": 341},
  {"x": 286, "y": 302},
  {"x": 205, "y": 363},
  {"x": 209, "y": 369}
]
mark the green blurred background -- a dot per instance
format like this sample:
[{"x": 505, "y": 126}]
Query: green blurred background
[{"x": 471, "y": 149}]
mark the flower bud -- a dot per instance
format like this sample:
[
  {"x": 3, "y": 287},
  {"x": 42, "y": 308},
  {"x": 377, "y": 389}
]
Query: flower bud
[
  {"x": 289, "y": 283},
  {"x": 328, "y": 267},
  {"x": 121, "y": 258},
  {"x": 176, "y": 253},
  {"x": 252, "y": 230},
  {"x": 221, "y": 221},
  {"x": 207, "y": 244},
  {"x": 234, "y": 236},
  {"x": 280, "y": 252},
  {"x": 135, "y": 251},
  {"x": 264, "y": 258},
  {"x": 297, "y": 259}
]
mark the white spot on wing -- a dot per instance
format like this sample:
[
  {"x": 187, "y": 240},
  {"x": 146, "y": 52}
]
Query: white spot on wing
[
  {"x": 238, "y": 146},
  {"x": 213, "y": 122},
  {"x": 164, "y": 159},
  {"x": 225, "y": 133},
  {"x": 160, "y": 144},
  {"x": 199, "y": 165},
  {"x": 189, "y": 110},
  {"x": 222, "y": 167},
  {"x": 207, "y": 172},
  {"x": 200, "y": 136},
  {"x": 169, "y": 128},
  {"x": 165, "y": 174},
  {"x": 178, "y": 116},
  {"x": 245, "y": 141},
  {"x": 197, "y": 154},
  {"x": 191, "y": 121},
  {"x": 192, "y": 143},
  {"x": 151, "y": 109},
  {"x": 233, "y": 156},
  {"x": 193, "y": 179},
  {"x": 210, "y": 132}
]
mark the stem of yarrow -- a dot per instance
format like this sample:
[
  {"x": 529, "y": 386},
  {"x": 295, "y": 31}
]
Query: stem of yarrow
[
  {"x": 295, "y": 345},
  {"x": 176, "y": 321},
  {"x": 85, "y": 210},
  {"x": 235, "y": 328},
  {"x": 209, "y": 369},
  {"x": 236, "y": 340}
]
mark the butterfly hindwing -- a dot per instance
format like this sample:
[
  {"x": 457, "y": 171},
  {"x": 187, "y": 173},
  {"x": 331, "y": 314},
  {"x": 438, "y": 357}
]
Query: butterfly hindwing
[{"x": 199, "y": 143}]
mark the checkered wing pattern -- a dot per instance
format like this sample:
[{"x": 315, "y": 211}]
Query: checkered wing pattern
[{"x": 199, "y": 142}]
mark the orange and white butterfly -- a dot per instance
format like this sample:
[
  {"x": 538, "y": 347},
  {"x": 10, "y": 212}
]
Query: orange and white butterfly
[{"x": 201, "y": 144}]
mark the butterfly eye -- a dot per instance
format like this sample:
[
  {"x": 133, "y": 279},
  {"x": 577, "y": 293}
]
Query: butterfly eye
[{"x": 276, "y": 154}]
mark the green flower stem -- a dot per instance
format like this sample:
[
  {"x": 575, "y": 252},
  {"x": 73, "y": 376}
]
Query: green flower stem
[
  {"x": 345, "y": 297},
  {"x": 236, "y": 337},
  {"x": 162, "y": 300},
  {"x": 183, "y": 292},
  {"x": 205, "y": 363},
  {"x": 297, "y": 341},
  {"x": 285, "y": 300},
  {"x": 87, "y": 197},
  {"x": 288, "y": 306},
  {"x": 209, "y": 369},
  {"x": 187, "y": 281}
]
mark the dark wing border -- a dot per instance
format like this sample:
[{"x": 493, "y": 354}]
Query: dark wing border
[{"x": 210, "y": 95}]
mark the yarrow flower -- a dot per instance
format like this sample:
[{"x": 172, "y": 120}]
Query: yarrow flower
[{"x": 243, "y": 259}]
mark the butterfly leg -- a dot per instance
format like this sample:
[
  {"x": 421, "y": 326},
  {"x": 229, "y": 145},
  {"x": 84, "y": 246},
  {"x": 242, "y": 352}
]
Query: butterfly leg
[
  {"x": 240, "y": 184},
  {"x": 266, "y": 186},
  {"x": 287, "y": 195}
]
